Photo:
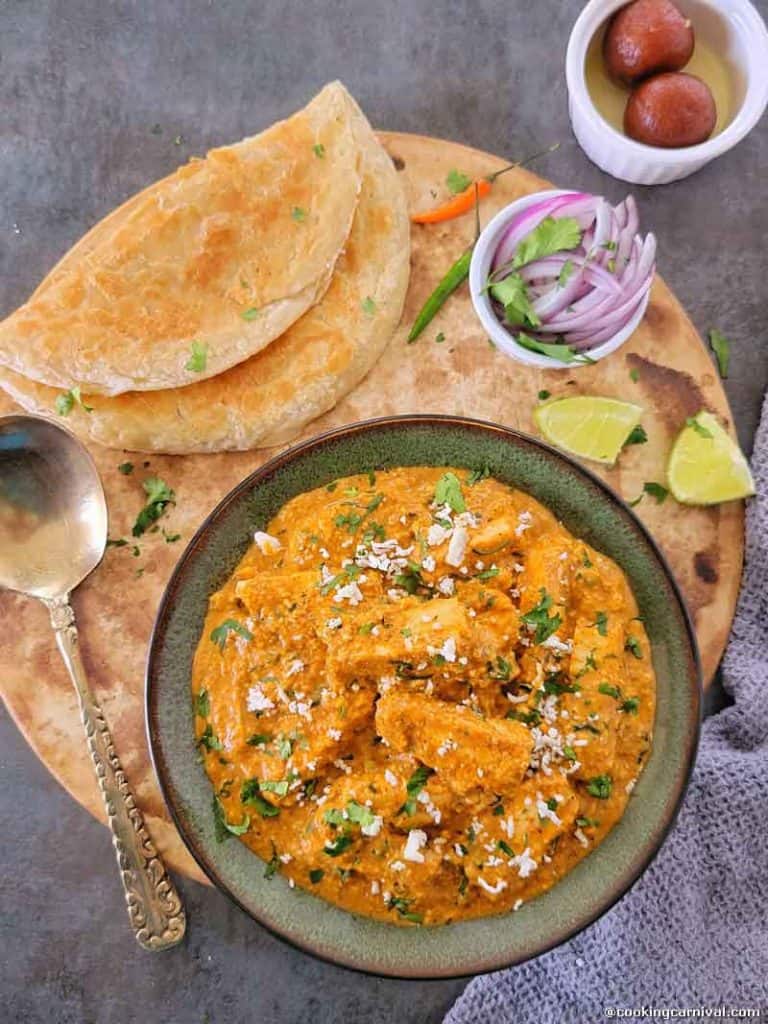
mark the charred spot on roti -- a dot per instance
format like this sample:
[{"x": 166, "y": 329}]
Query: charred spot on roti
[
  {"x": 676, "y": 394},
  {"x": 705, "y": 564},
  {"x": 398, "y": 162}
]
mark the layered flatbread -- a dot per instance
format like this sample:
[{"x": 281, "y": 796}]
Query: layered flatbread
[
  {"x": 165, "y": 291},
  {"x": 267, "y": 399}
]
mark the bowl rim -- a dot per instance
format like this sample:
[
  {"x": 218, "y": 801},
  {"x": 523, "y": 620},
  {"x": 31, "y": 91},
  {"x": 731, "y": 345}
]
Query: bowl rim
[
  {"x": 482, "y": 254},
  {"x": 693, "y": 684},
  {"x": 755, "y": 34}
]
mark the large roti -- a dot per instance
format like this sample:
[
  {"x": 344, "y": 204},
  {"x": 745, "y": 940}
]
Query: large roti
[
  {"x": 256, "y": 225},
  {"x": 270, "y": 397}
]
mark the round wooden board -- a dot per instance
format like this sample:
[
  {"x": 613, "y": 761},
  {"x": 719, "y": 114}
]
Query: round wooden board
[{"x": 464, "y": 375}]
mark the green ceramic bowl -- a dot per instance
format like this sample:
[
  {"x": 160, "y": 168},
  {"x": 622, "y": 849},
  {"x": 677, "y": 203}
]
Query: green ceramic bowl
[{"x": 588, "y": 509}]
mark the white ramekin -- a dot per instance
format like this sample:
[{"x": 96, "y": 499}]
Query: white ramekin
[
  {"x": 480, "y": 267},
  {"x": 739, "y": 34}
]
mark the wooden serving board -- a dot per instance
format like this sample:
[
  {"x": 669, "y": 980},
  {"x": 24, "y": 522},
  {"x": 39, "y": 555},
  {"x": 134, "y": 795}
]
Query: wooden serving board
[{"x": 115, "y": 607}]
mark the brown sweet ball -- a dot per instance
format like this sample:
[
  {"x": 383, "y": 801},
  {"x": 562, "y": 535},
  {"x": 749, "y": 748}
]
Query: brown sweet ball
[
  {"x": 670, "y": 110},
  {"x": 644, "y": 37}
]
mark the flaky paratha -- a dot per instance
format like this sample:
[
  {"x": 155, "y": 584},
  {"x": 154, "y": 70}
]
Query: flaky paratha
[
  {"x": 267, "y": 399},
  {"x": 257, "y": 225}
]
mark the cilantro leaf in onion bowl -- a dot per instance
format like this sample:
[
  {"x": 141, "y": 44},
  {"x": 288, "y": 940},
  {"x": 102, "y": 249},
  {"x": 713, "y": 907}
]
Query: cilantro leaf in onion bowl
[{"x": 561, "y": 278}]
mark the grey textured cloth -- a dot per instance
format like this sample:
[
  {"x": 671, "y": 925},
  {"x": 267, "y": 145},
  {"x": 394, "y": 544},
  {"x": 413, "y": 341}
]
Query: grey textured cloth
[{"x": 694, "y": 930}]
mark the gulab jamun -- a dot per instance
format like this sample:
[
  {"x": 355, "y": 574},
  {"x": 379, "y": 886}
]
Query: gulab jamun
[
  {"x": 670, "y": 110},
  {"x": 645, "y": 37}
]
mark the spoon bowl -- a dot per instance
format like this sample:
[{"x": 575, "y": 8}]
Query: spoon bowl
[{"x": 53, "y": 514}]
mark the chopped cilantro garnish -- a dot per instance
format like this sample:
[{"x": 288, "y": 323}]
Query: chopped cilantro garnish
[
  {"x": 551, "y": 236},
  {"x": 359, "y": 814},
  {"x": 319, "y": 150},
  {"x": 554, "y": 684},
  {"x": 457, "y": 182},
  {"x": 498, "y": 810},
  {"x": 477, "y": 475},
  {"x": 369, "y": 306},
  {"x": 565, "y": 273},
  {"x": 563, "y": 353},
  {"x": 220, "y": 633},
  {"x": 543, "y": 395},
  {"x": 587, "y": 822},
  {"x": 539, "y": 620},
  {"x": 251, "y": 314},
  {"x": 721, "y": 346},
  {"x": 532, "y": 717},
  {"x": 600, "y": 786},
  {"x": 569, "y": 753},
  {"x": 632, "y": 644},
  {"x": 273, "y": 864},
  {"x": 316, "y": 875},
  {"x": 198, "y": 359},
  {"x": 488, "y": 574},
  {"x": 609, "y": 691},
  {"x": 413, "y": 787},
  {"x": 258, "y": 739},
  {"x": 630, "y": 705},
  {"x": 601, "y": 623},
  {"x": 66, "y": 402},
  {"x": 202, "y": 704},
  {"x": 402, "y": 905},
  {"x": 366, "y": 628},
  {"x": 298, "y": 213},
  {"x": 501, "y": 669},
  {"x": 120, "y": 542},
  {"x": 701, "y": 430},
  {"x": 126, "y": 468},
  {"x": 448, "y": 492},
  {"x": 209, "y": 740},
  {"x": 250, "y": 794},
  {"x": 505, "y": 848},
  {"x": 439, "y": 338},
  {"x": 656, "y": 491},
  {"x": 411, "y": 580},
  {"x": 284, "y": 748},
  {"x": 638, "y": 436},
  {"x": 159, "y": 496},
  {"x": 338, "y": 845},
  {"x": 634, "y": 375},
  {"x": 222, "y": 828},
  {"x": 512, "y": 293},
  {"x": 279, "y": 787}
]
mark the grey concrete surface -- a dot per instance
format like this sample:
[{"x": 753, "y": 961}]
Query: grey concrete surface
[{"x": 83, "y": 83}]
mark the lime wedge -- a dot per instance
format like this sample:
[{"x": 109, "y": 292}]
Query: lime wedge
[
  {"x": 588, "y": 425},
  {"x": 706, "y": 466}
]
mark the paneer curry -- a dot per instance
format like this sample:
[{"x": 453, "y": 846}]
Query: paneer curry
[{"x": 420, "y": 697}]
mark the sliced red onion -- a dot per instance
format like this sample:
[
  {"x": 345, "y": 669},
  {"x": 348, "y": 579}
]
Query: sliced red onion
[{"x": 612, "y": 270}]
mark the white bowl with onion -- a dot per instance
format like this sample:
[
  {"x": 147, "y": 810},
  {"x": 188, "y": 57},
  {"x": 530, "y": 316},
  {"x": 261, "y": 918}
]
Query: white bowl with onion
[{"x": 568, "y": 306}]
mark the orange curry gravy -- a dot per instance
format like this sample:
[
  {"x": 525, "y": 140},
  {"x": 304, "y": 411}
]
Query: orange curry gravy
[{"x": 420, "y": 697}]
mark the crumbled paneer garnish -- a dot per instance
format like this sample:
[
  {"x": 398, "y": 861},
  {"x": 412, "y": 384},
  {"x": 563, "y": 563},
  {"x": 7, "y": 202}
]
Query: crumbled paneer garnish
[
  {"x": 417, "y": 839},
  {"x": 493, "y": 890},
  {"x": 446, "y": 585},
  {"x": 334, "y": 623},
  {"x": 437, "y": 534},
  {"x": 524, "y": 521},
  {"x": 545, "y": 812},
  {"x": 507, "y": 826},
  {"x": 266, "y": 543},
  {"x": 457, "y": 547},
  {"x": 286, "y": 858},
  {"x": 374, "y": 827},
  {"x": 349, "y": 592},
  {"x": 517, "y": 904},
  {"x": 375, "y": 888},
  {"x": 556, "y": 644},
  {"x": 257, "y": 699},
  {"x": 581, "y": 837},
  {"x": 390, "y": 777},
  {"x": 297, "y": 665},
  {"x": 334, "y": 734},
  {"x": 428, "y": 563},
  {"x": 397, "y": 865},
  {"x": 445, "y": 746},
  {"x": 524, "y": 863}
]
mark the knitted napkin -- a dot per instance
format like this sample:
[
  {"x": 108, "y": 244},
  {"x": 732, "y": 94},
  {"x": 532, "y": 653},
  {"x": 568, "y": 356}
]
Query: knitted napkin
[{"x": 693, "y": 932}]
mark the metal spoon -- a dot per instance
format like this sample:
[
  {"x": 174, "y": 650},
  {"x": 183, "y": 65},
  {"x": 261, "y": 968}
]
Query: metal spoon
[{"x": 53, "y": 532}]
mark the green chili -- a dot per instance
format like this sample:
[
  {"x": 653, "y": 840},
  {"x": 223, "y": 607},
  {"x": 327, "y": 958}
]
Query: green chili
[{"x": 455, "y": 276}]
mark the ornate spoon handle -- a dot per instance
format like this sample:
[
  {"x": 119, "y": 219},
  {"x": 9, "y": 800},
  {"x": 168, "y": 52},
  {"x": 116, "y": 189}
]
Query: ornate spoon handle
[{"x": 154, "y": 907}]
